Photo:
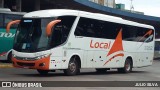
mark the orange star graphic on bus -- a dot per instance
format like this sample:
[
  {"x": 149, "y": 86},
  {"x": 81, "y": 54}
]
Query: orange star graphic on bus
[{"x": 117, "y": 46}]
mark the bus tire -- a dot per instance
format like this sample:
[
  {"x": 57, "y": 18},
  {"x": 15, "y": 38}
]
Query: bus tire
[
  {"x": 9, "y": 58},
  {"x": 42, "y": 72},
  {"x": 127, "y": 67},
  {"x": 101, "y": 70},
  {"x": 73, "y": 68}
]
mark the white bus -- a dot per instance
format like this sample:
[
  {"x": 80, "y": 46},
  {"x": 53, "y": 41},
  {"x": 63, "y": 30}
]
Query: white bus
[{"x": 70, "y": 40}]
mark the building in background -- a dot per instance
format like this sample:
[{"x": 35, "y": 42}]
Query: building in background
[
  {"x": 32, "y": 5},
  {"x": 112, "y": 4},
  {"x": 21, "y": 5},
  {"x": 107, "y": 3},
  {"x": 120, "y": 6}
]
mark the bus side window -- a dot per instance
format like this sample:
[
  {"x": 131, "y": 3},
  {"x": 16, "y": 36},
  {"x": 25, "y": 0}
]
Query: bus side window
[
  {"x": 9, "y": 17},
  {"x": 61, "y": 30},
  {"x": 110, "y": 30},
  {"x": 129, "y": 33},
  {"x": 79, "y": 31},
  {"x": 144, "y": 35},
  {"x": 1, "y": 20},
  {"x": 81, "y": 28},
  {"x": 57, "y": 36},
  {"x": 86, "y": 27},
  {"x": 90, "y": 32}
]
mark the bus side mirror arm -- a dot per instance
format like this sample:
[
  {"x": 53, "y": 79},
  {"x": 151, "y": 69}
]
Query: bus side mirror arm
[
  {"x": 10, "y": 24},
  {"x": 50, "y": 25}
]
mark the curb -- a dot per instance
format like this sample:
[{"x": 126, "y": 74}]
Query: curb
[{"x": 6, "y": 66}]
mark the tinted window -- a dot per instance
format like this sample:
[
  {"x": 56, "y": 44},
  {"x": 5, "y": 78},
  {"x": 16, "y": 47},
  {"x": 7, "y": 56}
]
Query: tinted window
[
  {"x": 61, "y": 30},
  {"x": 96, "y": 28},
  {"x": 145, "y": 35},
  {"x": 109, "y": 30},
  {"x": 86, "y": 27},
  {"x": 31, "y": 35},
  {"x": 11, "y": 17},
  {"x": 139, "y": 34},
  {"x": 1, "y": 20}
]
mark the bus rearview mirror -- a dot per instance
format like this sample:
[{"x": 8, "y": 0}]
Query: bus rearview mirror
[
  {"x": 10, "y": 24},
  {"x": 50, "y": 25}
]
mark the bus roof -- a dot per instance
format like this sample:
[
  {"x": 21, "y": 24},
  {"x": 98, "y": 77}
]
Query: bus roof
[
  {"x": 65, "y": 12},
  {"x": 51, "y": 13},
  {"x": 5, "y": 9},
  {"x": 17, "y": 13},
  {"x": 157, "y": 39}
]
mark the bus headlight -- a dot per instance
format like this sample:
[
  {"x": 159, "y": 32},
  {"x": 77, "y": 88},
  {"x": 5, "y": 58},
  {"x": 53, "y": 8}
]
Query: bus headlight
[
  {"x": 42, "y": 56},
  {"x": 13, "y": 55}
]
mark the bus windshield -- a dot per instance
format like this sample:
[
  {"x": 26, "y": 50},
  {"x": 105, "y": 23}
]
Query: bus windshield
[{"x": 31, "y": 34}]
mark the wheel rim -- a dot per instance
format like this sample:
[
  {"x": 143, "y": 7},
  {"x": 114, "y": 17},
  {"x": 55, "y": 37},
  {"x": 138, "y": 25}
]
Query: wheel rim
[
  {"x": 72, "y": 67},
  {"x": 128, "y": 66}
]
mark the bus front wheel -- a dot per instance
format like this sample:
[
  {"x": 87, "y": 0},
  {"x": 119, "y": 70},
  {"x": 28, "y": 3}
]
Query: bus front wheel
[
  {"x": 42, "y": 72},
  {"x": 127, "y": 67},
  {"x": 73, "y": 68},
  {"x": 9, "y": 58}
]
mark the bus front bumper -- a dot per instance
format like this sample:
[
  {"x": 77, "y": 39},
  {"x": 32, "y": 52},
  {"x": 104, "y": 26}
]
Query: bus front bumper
[
  {"x": 3, "y": 56},
  {"x": 42, "y": 64}
]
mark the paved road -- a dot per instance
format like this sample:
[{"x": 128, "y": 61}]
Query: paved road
[{"x": 151, "y": 73}]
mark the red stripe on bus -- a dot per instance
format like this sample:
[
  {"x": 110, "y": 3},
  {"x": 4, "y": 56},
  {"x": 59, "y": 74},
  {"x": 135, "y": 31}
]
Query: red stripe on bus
[
  {"x": 3, "y": 53},
  {"x": 117, "y": 46}
]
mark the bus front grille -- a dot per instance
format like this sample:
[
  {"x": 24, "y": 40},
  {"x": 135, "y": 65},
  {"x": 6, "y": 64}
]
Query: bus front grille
[{"x": 26, "y": 64}]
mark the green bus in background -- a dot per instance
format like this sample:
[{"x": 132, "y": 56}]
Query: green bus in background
[{"x": 6, "y": 39}]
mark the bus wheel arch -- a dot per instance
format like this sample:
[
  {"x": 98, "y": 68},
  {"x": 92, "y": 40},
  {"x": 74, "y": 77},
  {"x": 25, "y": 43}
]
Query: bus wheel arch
[
  {"x": 78, "y": 59},
  {"x": 130, "y": 58},
  {"x": 128, "y": 65},
  {"x": 9, "y": 57},
  {"x": 74, "y": 66}
]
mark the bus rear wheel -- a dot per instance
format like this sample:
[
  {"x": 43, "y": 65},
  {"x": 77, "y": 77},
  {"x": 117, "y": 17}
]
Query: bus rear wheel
[
  {"x": 73, "y": 68},
  {"x": 127, "y": 67},
  {"x": 42, "y": 72}
]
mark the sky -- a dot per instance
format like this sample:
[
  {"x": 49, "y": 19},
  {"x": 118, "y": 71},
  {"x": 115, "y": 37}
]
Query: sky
[{"x": 149, "y": 7}]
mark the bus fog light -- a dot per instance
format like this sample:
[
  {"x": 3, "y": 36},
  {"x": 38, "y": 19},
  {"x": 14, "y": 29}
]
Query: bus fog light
[{"x": 42, "y": 64}]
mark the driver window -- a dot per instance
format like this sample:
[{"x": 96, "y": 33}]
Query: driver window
[{"x": 61, "y": 30}]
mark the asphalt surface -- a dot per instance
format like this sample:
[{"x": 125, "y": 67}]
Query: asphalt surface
[{"x": 151, "y": 73}]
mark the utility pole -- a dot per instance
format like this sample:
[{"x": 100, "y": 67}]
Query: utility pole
[
  {"x": 131, "y": 6},
  {"x": 18, "y": 5},
  {"x": 1, "y": 3}
]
